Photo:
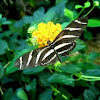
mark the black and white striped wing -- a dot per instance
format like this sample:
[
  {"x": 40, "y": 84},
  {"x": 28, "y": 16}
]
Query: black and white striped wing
[
  {"x": 65, "y": 41},
  {"x": 36, "y": 57}
]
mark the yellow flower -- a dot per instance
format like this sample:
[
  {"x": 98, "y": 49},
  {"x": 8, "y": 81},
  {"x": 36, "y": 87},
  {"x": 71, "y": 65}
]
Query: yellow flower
[{"x": 46, "y": 32}]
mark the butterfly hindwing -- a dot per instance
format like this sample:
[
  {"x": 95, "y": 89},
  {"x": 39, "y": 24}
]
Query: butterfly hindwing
[
  {"x": 49, "y": 58},
  {"x": 64, "y": 51},
  {"x": 69, "y": 35}
]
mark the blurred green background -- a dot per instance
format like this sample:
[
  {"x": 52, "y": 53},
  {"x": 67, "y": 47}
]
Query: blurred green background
[{"x": 77, "y": 79}]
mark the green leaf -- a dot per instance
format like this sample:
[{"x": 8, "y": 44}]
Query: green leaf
[
  {"x": 21, "y": 94},
  {"x": 78, "y": 6},
  {"x": 64, "y": 94},
  {"x": 6, "y": 80},
  {"x": 59, "y": 1},
  {"x": 95, "y": 90},
  {"x": 61, "y": 79},
  {"x": 43, "y": 76},
  {"x": 25, "y": 78},
  {"x": 6, "y": 33},
  {"x": 80, "y": 45},
  {"x": 46, "y": 95},
  {"x": 11, "y": 68},
  {"x": 3, "y": 20},
  {"x": 32, "y": 3},
  {"x": 93, "y": 23},
  {"x": 57, "y": 13},
  {"x": 31, "y": 89},
  {"x": 48, "y": 16},
  {"x": 4, "y": 46},
  {"x": 93, "y": 56},
  {"x": 99, "y": 98},
  {"x": 31, "y": 86},
  {"x": 87, "y": 4},
  {"x": 93, "y": 72},
  {"x": 68, "y": 13},
  {"x": 70, "y": 69},
  {"x": 7, "y": 22},
  {"x": 14, "y": 28},
  {"x": 19, "y": 24},
  {"x": 8, "y": 94},
  {"x": 82, "y": 83},
  {"x": 27, "y": 19},
  {"x": 88, "y": 35},
  {"x": 33, "y": 70},
  {"x": 2, "y": 71},
  {"x": 38, "y": 14},
  {"x": 65, "y": 24},
  {"x": 0, "y": 16},
  {"x": 89, "y": 95}
]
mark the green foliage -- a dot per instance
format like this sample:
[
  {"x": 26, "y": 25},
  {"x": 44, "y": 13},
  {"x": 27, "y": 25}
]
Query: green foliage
[
  {"x": 46, "y": 95},
  {"x": 68, "y": 13},
  {"x": 78, "y": 71},
  {"x": 1, "y": 70},
  {"x": 87, "y": 4},
  {"x": 93, "y": 23},
  {"x": 88, "y": 35},
  {"x": 21, "y": 94},
  {"x": 71, "y": 69},
  {"x": 61, "y": 79},
  {"x": 33, "y": 70}
]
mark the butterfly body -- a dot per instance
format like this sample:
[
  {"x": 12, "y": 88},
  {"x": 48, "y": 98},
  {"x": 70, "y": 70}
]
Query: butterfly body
[{"x": 62, "y": 45}]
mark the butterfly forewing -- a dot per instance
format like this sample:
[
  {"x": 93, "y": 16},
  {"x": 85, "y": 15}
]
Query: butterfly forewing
[
  {"x": 73, "y": 30},
  {"x": 30, "y": 59},
  {"x": 62, "y": 44},
  {"x": 69, "y": 35},
  {"x": 66, "y": 49},
  {"x": 49, "y": 58},
  {"x": 39, "y": 57}
]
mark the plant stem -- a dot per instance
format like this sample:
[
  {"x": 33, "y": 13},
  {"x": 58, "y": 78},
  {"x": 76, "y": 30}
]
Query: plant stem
[
  {"x": 90, "y": 78},
  {"x": 89, "y": 11},
  {"x": 80, "y": 12},
  {"x": 57, "y": 91},
  {"x": 1, "y": 90},
  {"x": 7, "y": 64}
]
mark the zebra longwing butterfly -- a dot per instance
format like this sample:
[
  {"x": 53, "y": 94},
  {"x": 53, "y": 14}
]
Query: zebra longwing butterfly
[{"x": 62, "y": 44}]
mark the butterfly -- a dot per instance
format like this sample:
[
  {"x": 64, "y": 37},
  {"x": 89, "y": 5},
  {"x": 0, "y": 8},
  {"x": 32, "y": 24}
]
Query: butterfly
[{"x": 62, "y": 45}]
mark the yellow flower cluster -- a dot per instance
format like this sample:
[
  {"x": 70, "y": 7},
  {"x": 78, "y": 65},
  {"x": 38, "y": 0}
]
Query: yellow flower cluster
[{"x": 46, "y": 32}]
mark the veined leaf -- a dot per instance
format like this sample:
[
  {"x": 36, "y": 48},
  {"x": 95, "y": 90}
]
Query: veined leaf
[
  {"x": 93, "y": 23},
  {"x": 61, "y": 79}
]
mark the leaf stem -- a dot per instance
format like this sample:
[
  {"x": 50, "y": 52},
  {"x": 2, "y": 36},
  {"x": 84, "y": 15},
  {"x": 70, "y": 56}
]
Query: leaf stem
[
  {"x": 7, "y": 64},
  {"x": 89, "y": 78},
  {"x": 89, "y": 11},
  {"x": 1, "y": 91},
  {"x": 57, "y": 91},
  {"x": 80, "y": 12}
]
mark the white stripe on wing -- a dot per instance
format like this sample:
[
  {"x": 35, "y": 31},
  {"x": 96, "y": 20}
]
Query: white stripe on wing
[
  {"x": 39, "y": 54},
  {"x": 20, "y": 59},
  {"x": 49, "y": 60},
  {"x": 61, "y": 45},
  {"x": 61, "y": 52},
  {"x": 51, "y": 51},
  {"x": 77, "y": 21},
  {"x": 65, "y": 37},
  {"x": 72, "y": 29},
  {"x": 29, "y": 58},
  {"x": 48, "y": 53}
]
